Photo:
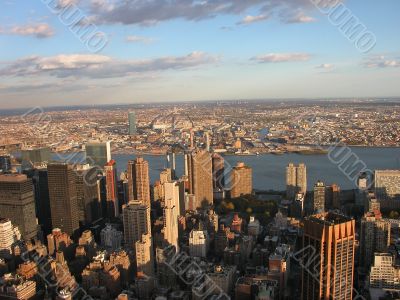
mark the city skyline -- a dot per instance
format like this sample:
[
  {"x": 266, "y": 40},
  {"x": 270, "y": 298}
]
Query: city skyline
[{"x": 197, "y": 52}]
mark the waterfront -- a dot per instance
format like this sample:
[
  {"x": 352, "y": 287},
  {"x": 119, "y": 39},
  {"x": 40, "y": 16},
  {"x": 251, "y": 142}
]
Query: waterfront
[{"x": 269, "y": 170}]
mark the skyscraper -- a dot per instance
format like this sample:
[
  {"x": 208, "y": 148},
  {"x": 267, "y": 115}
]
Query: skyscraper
[
  {"x": 374, "y": 237},
  {"x": 333, "y": 196},
  {"x": 136, "y": 219},
  {"x": 218, "y": 170},
  {"x": 63, "y": 197},
  {"x": 132, "y": 123},
  {"x": 139, "y": 180},
  {"x": 110, "y": 170},
  {"x": 5, "y": 164},
  {"x": 17, "y": 203},
  {"x": 199, "y": 170},
  {"x": 144, "y": 255},
  {"x": 171, "y": 213},
  {"x": 319, "y": 197},
  {"x": 328, "y": 253},
  {"x": 296, "y": 180},
  {"x": 98, "y": 153},
  {"x": 387, "y": 188},
  {"x": 241, "y": 180}
]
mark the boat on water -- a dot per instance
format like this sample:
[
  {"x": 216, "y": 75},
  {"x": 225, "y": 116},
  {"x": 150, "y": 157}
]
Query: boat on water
[{"x": 245, "y": 153}]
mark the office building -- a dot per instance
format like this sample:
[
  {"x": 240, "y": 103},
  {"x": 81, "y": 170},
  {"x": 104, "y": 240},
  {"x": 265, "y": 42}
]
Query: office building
[
  {"x": 98, "y": 154},
  {"x": 198, "y": 243},
  {"x": 241, "y": 180},
  {"x": 139, "y": 180},
  {"x": 36, "y": 155},
  {"x": 17, "y": 203},
  {"x": 218, "y": 171},
  {"x": 333, "y": 197},
  {"x": 7, "y": 237},
  {"x": 136, "y": 219},
  {"x": 144, "y": 255},
  {"x": 110, "y": 170},
  {"x": 319, "y": 197},
  {"x": 63, "y": 197},
  {"x": 374, "y": 237},
  {"x": 384, "y": 275},
  {"x": 328, "y": 247},
  {"x": 5, "y": 164},
  {"x": 171, "y": 213},
  {"x": 111, "y": 238},
  {"x": 199, "y": 171},
  {"x": 132, "y": 123},
  {"x": 387, "y": 188},
  {"x": 296, "y": 180}
]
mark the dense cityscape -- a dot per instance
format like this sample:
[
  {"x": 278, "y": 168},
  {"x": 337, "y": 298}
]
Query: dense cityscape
[{"x": 83, "y": 229}]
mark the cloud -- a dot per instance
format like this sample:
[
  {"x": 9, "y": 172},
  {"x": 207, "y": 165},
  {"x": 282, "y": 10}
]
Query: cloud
[
  {"x": 281, "y": 57},
  {"x": 252, "y": 19},
  {"x": 325, "y": 66},
  {"x": 138, "y": 39},
  {"x": 100, "y": 66},
  {"x": 382, "y": 61},
  {"x": 150, "y": 12},
  {"x": 297, "y": 17},
  {"x": 39, "y": 30}
]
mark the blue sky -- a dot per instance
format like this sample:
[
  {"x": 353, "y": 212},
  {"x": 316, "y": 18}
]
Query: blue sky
[{"x": 179, "y": 50}]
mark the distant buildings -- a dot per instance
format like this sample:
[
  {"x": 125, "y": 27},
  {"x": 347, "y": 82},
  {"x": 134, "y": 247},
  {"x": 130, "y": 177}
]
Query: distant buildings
[
  {"x": 328, "y": 240},
  {"x": 63, "y": 197},
  {"x": 98, "y": 153},
  {"x": 296, "y": 180},
  {"x": 132, "y": 123},
  {"x": 198, "y": 168},
  {"x": 139, "y": 180},
  {"x": 17, "y": 203},
  {"x": 241, "y": 180},
  {"x": 319, "y": 197},
  {"x": 36, "y": 155}
]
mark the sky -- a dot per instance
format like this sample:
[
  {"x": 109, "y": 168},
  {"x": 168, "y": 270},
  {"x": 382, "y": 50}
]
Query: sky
[{"x": 84, "y": 52}]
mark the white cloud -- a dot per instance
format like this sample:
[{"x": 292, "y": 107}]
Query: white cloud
[
  {"x": 281, "y": 57},
  {"x": 100, "y": 66},
  {"x": 138, "y": 39},
  {"x": 325, "y": 66},
  {"x": 39, "y": 30},
  {"x": 382, "y": 61},
  {"x": 298, "y": 17},
  {"x": 252, "y": 19}
]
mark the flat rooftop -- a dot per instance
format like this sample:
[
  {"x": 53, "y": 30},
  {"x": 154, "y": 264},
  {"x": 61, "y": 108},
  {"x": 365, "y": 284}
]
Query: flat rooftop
[{"x": 13, "y": 178}]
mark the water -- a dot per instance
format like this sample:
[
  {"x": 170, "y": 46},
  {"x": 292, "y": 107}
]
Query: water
[{"x": 269, "y": 171}]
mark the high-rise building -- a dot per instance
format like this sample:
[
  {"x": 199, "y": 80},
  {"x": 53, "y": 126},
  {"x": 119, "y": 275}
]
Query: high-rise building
[
  {"x": 328, "y": 250},
  {"x": 241, "y": 180},
  {"x": 319, "y": 197},
  {"x": 384, "y": 274},
  {"x": 36, "y": 155},
  {"x": 199, "y": 170},
  {"x": 218, "y": 170},
  {"x": 98, "y": 153},
  {"x": 139, "y": 180},
  {"x": 333, "y": 196},
  {"x": 5, "y": 164},
  {"x": 296, "y": 180},
  {"x": 387, "y": 188},
  {"x": 63, "y": 197},
  {"x": 171, "y": 213},
  {"x": 111, "y": 238},
  {"x": 110, "y": 170},
  {"x": 132, "y": 123},
  {"x": 136, "y": 218},
  {"x": 144, "y": 255},
  {"x": 374, "y": 236},
  {"x": 7, "y": 237},
  {"x": 198, "y": 243},
  {"x": 17, "y": 203}
]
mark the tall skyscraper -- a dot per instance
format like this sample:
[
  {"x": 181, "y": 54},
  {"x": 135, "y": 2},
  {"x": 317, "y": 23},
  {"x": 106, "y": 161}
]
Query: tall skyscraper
[
  {"x": 139, "y": 180},
  {"x": 136, "y": 219},
  {"x": 144, "y": 255},
  {"x": 98, "y": 153},
  {"x": 110, "y": 170},
  {"x": 374, "y": 237},
  {"x": 63, "y": 197},
  {"x": 199, "y": 170},
  {"x": 17, "y": 203},
  {"x": 319, "y": 197},
  {"x": 328, "y": 253},
  {"x": 132, "y": 123},
  {"x": 333, "y": 196},
  {"x": 241, "y": 180},
  {"x": 296, "y": 180},
  {"x": 218, "y": 170},
  {"x": 42, "y": 199},
  {"x": 36, "y": 155},
  {"x": 171, "y": 213},
  {"x": 387, "y": 188}
]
